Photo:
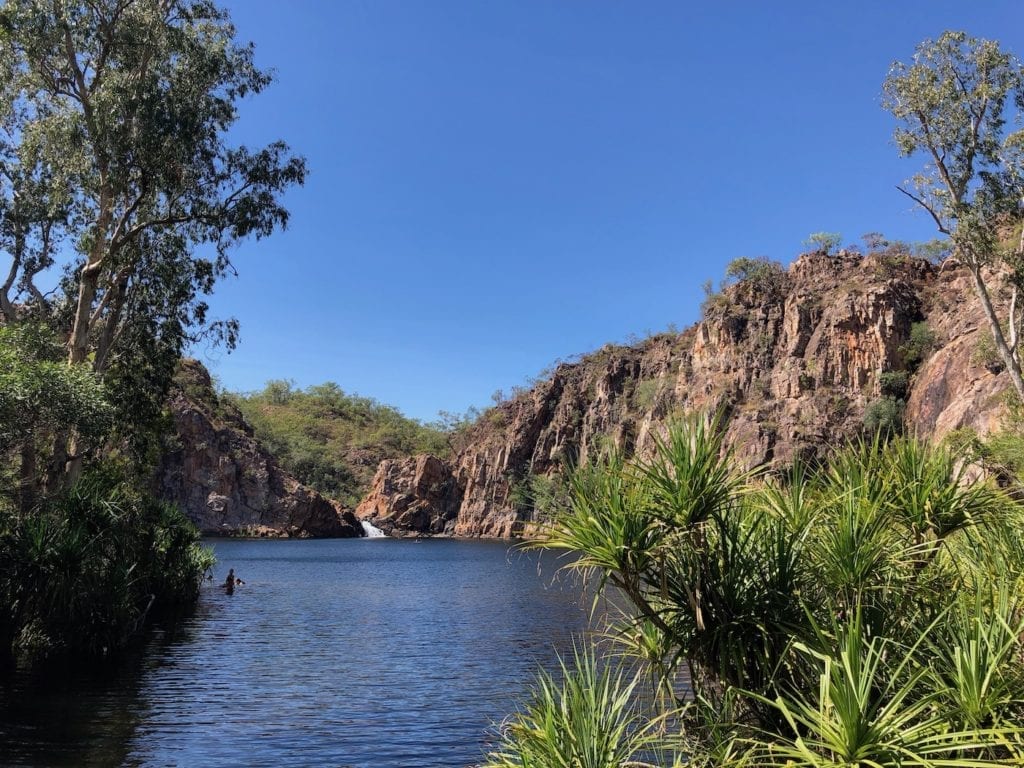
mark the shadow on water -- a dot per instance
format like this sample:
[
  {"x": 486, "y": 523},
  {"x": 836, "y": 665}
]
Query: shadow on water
[
  {"x": 370, "y": 654},
  {"x": 72, "y": 714}
]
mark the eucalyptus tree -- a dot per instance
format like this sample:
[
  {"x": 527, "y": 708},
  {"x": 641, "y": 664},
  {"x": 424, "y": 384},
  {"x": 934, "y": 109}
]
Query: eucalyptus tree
[
  {"x": 954, "y": 102},
  {"x": 115, "y": 164}
]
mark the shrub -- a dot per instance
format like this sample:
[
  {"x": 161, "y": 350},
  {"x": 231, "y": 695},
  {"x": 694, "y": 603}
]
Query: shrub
[
  {"x": 541, "y": 494},
  {"x": 985, "y": 354},
  {"x": 713, "y": 302},
  {"x": 496, "y": 417},
  {"x": 884, "y": 417},
  {"x": 762, "y": 274},
  {"x": 919, "y": 344},
  {"x": 587, "y": 718},
  {"x": 894, "y": 384},
  {"x": 1005, "y": 449},
  {"x": 934, "y": 251},
  {"x": 874, "y": 241},
  {"x": 83, "y": 571},
  {"x": 866, "y": 613},
  {"x": 645, "y": 393},
  {"x": 824, "y": 242}
]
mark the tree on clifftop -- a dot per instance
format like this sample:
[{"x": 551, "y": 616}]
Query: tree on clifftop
[
  {"x": 114, "y": 163},
  {"x": 952, "y": 102}
]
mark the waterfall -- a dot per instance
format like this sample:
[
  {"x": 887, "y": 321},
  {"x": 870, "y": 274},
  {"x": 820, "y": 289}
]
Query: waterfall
[{"x": 371, "y": 531}]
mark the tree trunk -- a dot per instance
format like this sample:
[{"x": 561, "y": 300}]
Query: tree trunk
[
  {"x": 27, "y": 477},
  {"x": 1007, "y": 355},
  {"x": 78, "y": 343}
]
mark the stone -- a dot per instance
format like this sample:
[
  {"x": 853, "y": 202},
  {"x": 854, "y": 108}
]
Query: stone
[
  {"x": 794, "y": 371},
  {"x": 226, "y": 482},
  {"x": 412, "y": 496}
]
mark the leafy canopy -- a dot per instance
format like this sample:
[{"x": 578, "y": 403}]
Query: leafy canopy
[{"x": 960, "y": 104}]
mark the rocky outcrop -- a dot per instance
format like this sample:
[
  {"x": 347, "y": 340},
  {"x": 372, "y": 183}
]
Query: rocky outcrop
[
  {"x": 412, "y": 496},
  {"x": 226, "y": 482},
  {"x": 794, "y": 364}
]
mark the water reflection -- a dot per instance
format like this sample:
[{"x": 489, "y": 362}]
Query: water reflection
[{"x": 359, "y": 653}]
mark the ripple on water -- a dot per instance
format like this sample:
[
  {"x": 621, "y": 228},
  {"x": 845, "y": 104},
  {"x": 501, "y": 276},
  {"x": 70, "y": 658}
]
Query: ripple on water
[{"x": 382, "y": 654}]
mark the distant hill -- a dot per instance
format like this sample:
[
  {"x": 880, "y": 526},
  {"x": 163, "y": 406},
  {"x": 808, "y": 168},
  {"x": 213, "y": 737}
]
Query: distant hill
[
  {"x": 226, "y": 481},
  {"x": 330, "y": 440}
]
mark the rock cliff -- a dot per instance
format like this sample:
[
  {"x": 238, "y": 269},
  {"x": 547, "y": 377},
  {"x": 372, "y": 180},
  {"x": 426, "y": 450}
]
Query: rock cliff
[
  {"x": 226, "y": 482},
  {"x": 415, "y": 495},
  {"x": 794, "y": 363}
]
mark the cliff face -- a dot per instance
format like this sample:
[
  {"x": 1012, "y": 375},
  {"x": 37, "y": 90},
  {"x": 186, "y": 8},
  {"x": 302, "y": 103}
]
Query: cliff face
[
  {"x": 794, "y": 365},
  {"x": 415, "y": 495},
  {"x": 226, "y": 482}
]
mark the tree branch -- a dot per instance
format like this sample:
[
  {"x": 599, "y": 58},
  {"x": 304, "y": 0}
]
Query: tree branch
[
  {"x": 940, "y": 160},
  {"x": 1013, "y": 324},
  {"x": 928, "y": 208},
  {"x": 6, "y": 308}
]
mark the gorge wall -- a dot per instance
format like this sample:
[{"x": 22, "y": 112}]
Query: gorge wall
[
  {"x": 793, "y": 364},
  {"x": 226, "y": 481}
]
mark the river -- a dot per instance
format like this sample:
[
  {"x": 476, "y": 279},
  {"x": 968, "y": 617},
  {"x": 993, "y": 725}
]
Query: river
[{"x": 364, "y": 653}]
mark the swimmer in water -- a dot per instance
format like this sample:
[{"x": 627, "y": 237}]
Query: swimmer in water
[{"x": 231, "y": 581}]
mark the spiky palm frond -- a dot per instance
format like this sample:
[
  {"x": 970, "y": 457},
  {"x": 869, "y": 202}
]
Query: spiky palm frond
[{"x": 588, "y": 717}]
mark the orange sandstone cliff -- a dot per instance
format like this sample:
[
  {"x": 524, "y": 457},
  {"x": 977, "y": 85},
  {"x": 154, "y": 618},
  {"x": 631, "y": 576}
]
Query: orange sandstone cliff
[{"x": 794, "y": 366}]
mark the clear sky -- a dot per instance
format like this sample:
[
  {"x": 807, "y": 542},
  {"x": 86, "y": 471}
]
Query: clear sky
[{"x": 495, "y": 185}]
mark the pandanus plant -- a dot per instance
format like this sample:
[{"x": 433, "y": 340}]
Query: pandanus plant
[{"x": 866, "y": 613}]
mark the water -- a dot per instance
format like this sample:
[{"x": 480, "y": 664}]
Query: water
[
  {"x": 381, "y": 653},
  {"x": 371, "y": 531}
]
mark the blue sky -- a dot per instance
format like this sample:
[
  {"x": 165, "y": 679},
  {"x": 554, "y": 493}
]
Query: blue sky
[{"x": 495, "y": 185}]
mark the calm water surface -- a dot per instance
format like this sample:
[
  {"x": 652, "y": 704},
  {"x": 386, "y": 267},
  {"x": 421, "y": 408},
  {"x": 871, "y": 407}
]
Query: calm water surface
[{"x": 379, "y": 653}]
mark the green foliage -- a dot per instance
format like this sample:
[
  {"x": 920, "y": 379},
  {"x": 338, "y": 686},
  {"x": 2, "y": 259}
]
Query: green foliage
[
  {"x": 40, "y": 394},
  {"x": 542, "y": 495},
  {"x": 114, "y": 157},
  {"x": 588, "y": 718},
  {"x": 762, "y": 274},
  {"x": 935, "y": 251},
  {"x": 1005, "y": 450},
  {"x": 456, "y": 427},
  {"x": 866, "y": 613},
  {"x": 872, "y": 707},
  {"x": 115, "y": 169},
  {"x": 985, "y": 354},
  {"x": 81, "y": 572},
  {"x": 954, "y": 103},
  {"x": 874, "y": 241},
  {"x": 115, "y": 122},
  {"x": 894, "y": 384},
  {"x": 331, "y": 440},
  {"x": 495, "y": 417},
  {"x": 825, "y": 242},
  {"x": 645, "y": 393},
  {"x": 884, "y": 416},
  {"x": 713, "y": 300},
  {"x": 1001, "y": 451},
  {"x": 919, "y": 344}
]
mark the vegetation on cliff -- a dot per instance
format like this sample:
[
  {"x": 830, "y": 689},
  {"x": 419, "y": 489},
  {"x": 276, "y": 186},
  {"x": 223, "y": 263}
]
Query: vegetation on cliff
[
  {"x": 330, "y": 440},
  {"x": 867, "y": 613},
  {"x": 120, "y": 202},
  {"x": 953, "y": 103}
]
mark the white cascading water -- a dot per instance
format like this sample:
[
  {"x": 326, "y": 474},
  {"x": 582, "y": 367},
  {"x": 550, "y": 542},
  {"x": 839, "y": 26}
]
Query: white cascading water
[{"x": 371, "y": 531}]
